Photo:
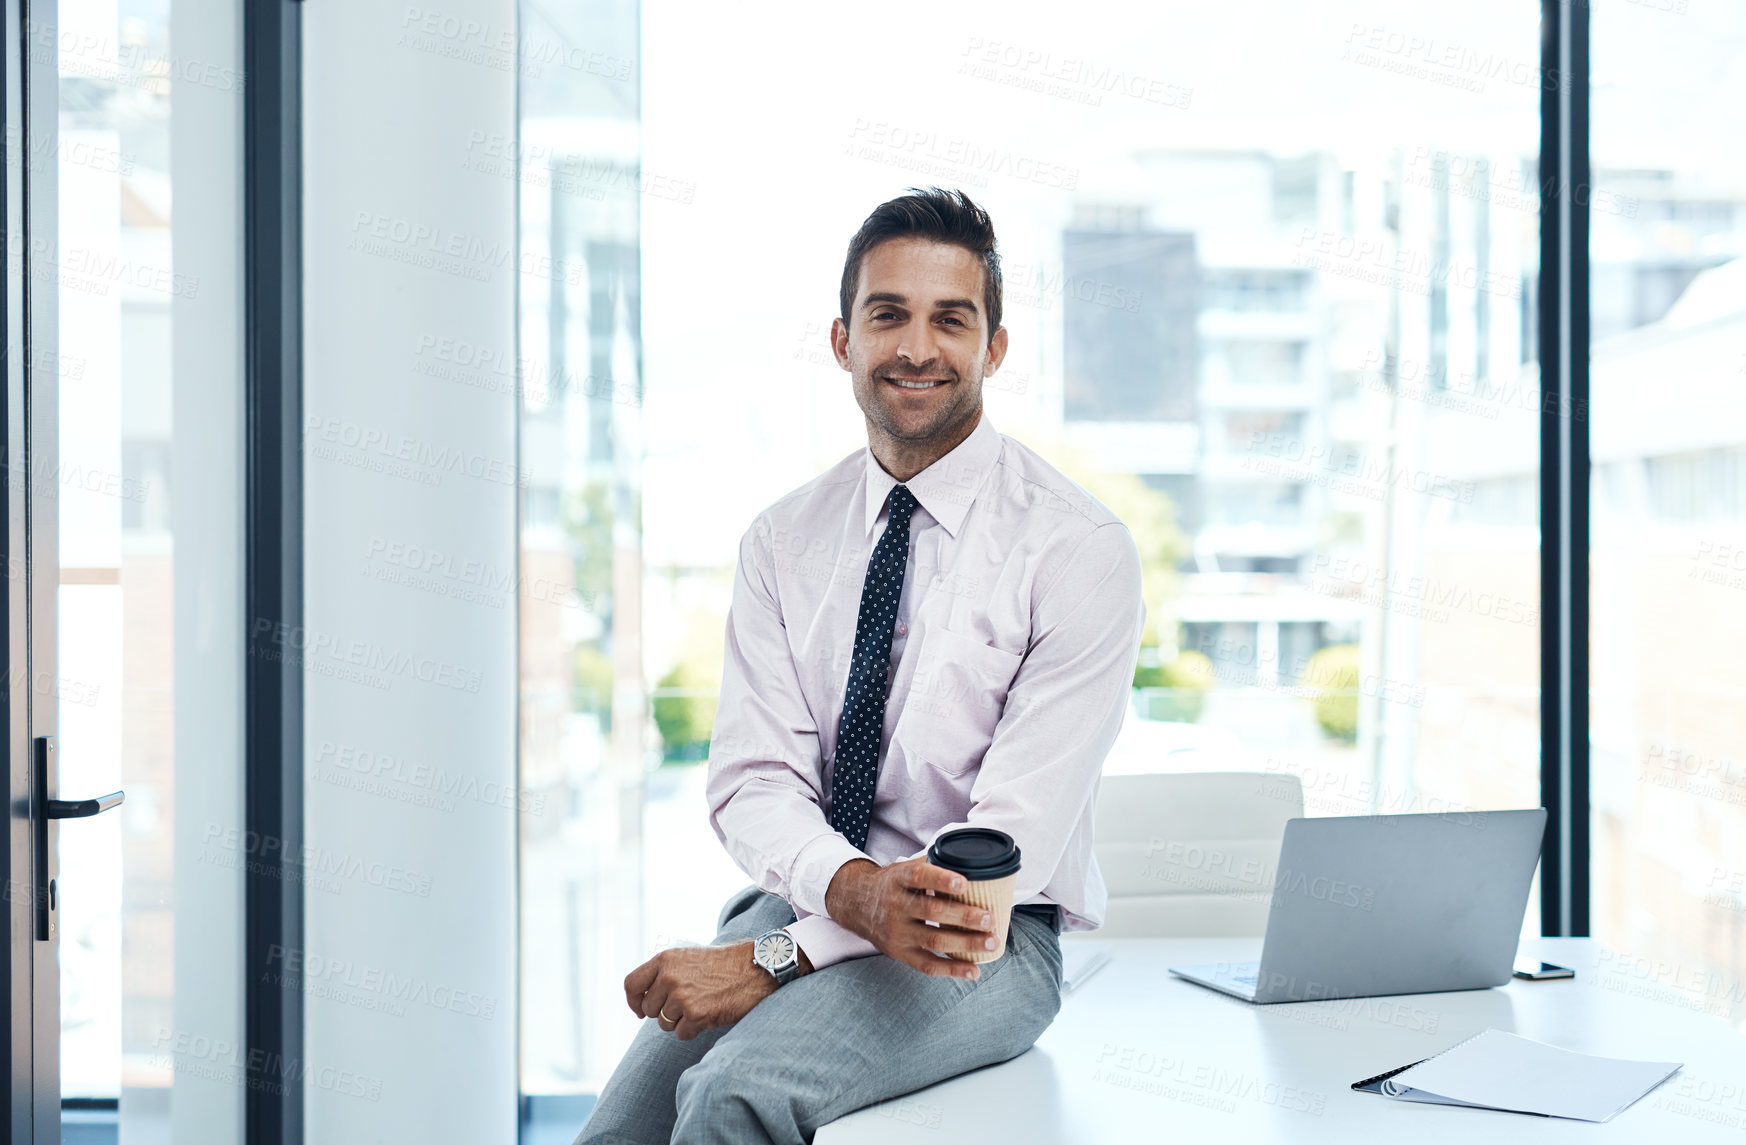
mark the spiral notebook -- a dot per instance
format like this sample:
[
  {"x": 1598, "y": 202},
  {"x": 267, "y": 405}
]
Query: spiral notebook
[{"x": 1500, "y": 1070}]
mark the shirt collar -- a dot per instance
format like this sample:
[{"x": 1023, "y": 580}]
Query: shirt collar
[{"x": 948, "y": 486}]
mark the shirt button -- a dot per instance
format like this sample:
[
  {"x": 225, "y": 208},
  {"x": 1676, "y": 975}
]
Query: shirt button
[{"x": 902, "y": 628}]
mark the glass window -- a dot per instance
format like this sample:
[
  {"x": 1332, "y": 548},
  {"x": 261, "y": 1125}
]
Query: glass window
[
  {"x": 1668, "y": 565},
  {"x": 1246, "y": 289},
  {"x": 579, "y": 376},
  {"x": 147, "y": 496},
  {"x": 115, "y": 638},
  {"x": 1277, "y": 315}
]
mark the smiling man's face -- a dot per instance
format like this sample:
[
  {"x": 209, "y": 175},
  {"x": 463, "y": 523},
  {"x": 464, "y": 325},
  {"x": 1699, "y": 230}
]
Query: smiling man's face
[{"x": 917, "y": 343}]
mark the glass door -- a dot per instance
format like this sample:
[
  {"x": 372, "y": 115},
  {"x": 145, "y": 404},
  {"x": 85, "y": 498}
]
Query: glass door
[
  {"x": 124, "y": 444},
  {"x": 117, "y": 286},
  {"x": 29, "y": 441}
]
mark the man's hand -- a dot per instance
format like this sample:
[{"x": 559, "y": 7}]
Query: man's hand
[
  {"x": 702, "y": 986},
  {"x": 891, "y": 906}
]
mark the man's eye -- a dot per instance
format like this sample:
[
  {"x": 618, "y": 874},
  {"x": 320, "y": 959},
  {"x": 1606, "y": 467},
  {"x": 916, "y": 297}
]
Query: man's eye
[
  {"x": 884, "y": 314},
  {"x": 953, "y": 318}
]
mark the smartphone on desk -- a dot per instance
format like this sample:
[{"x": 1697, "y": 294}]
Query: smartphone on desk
[{"x": 1534, "y": 970}]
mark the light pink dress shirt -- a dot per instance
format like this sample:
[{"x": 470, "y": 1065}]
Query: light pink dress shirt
[{"x": 1011, "y": 664}]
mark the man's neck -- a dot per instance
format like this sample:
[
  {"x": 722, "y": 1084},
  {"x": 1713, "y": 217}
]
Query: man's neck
[{"x": 904, "y": 459}]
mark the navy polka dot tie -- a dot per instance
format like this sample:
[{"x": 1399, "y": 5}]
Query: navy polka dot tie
[{"x": 857, "y": 768}]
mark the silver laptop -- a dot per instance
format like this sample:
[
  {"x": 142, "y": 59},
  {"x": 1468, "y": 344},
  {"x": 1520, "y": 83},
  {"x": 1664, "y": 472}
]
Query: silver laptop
[{"x": 1390, "y": 904}]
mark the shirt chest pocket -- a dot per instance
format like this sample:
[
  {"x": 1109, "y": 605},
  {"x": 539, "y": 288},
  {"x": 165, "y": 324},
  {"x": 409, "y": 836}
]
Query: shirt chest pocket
[{"x": 955, "y": 699}]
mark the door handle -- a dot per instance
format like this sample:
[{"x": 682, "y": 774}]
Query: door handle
[
  {"x": 84, "y": 808},
  {"x": 45, "y": 810}
]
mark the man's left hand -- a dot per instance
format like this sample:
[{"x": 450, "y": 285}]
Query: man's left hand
[{"x": 701, "y": 986}]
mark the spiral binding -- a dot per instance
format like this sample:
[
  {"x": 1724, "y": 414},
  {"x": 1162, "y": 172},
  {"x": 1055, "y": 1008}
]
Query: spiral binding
[{"x": 1370, "y": 1081}]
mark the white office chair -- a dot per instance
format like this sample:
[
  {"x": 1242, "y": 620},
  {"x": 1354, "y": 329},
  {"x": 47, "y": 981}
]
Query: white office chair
[{"x": 1194, "y": 855}]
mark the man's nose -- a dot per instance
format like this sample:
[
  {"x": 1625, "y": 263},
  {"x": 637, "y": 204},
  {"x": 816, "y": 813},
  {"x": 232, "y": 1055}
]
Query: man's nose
[{"x": 918, "y": 347}]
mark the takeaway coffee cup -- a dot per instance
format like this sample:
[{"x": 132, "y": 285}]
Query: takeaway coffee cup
[{"x": 989, "y": 861}]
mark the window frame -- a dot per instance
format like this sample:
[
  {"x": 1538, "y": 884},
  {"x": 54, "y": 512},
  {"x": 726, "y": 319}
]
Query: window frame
[{"x": 1563, "y": 311}]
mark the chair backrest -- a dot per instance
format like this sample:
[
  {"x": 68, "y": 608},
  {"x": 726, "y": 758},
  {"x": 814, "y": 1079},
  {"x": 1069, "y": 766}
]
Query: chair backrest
[{"x": 1191, "y": 855}]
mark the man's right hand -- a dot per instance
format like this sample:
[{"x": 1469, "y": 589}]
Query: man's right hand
[{"x": 890, "y": 907}]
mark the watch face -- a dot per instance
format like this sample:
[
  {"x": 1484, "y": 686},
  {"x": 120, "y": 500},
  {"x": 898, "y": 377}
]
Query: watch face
[{"x": 776, "y": 949}]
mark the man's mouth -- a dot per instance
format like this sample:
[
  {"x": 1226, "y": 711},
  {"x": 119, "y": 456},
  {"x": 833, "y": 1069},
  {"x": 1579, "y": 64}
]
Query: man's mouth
[{"x": 916, "y": 383}]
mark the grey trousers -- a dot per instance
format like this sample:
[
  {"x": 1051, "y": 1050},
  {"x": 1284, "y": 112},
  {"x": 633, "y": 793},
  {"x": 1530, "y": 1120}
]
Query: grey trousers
[{"x": 828, "y": 1043}]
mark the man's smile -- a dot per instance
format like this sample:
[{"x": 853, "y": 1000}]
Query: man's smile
[{"x": 917, "y": 383}]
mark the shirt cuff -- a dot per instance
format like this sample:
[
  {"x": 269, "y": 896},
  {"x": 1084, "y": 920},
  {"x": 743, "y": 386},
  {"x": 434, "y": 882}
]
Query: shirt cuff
[
  {"x": 826, "y": 943},
  {"x": 815, "y": 866}
]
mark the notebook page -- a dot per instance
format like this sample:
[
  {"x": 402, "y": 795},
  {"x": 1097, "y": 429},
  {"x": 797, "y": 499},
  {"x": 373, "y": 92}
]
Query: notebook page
[
  {"x": 1079, "y": 962},
  {"x": 1503, "y": 1071}
]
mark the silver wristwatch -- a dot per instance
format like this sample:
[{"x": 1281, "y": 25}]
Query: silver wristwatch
[{"x": 777, "y": 952}]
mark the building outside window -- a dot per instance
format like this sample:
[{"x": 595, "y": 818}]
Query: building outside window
[{"x": 1282, "y": 322}]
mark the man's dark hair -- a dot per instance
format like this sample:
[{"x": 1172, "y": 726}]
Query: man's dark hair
[{"x": 937, "y": 215}]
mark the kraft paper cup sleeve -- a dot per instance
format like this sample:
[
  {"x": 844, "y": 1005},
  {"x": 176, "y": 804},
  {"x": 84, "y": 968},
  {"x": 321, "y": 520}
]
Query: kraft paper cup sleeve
[{"x": 994, "y": 896}]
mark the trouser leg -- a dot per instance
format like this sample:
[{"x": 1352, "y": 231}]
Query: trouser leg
[
  {"x": 861, "y": 1032},
  {"x": 637, "y": 1105}
]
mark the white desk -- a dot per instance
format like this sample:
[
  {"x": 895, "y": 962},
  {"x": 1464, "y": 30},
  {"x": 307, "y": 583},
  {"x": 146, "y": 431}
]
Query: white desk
[{"x": 1139, "y": 1055}]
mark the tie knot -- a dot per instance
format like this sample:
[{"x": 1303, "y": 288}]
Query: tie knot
[{"x": 902, "y": 501}]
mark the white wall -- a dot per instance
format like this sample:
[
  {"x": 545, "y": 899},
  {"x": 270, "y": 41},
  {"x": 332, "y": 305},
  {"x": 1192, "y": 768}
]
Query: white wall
[{"x": 409, "y": 490}]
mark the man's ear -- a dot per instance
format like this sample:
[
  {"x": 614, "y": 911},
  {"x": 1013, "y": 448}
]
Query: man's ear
[
  {"x": 840, "y": 342},
  {"x": 996, "y": 350}
]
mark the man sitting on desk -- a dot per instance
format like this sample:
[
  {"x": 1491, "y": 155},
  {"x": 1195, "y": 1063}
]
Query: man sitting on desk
[{"x": 939, "y": 632}]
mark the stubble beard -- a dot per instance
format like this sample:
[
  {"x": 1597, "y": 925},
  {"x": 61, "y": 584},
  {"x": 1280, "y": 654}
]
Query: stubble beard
[{"x": 949, "y": 418}]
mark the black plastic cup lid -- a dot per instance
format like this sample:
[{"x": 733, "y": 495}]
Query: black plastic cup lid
[{"x": 977, "y": 853}]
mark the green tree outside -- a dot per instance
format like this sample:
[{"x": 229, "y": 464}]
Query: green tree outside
[
  {"x": 1188, "y": 677},
  {"x": 1333, "y": 674}
]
